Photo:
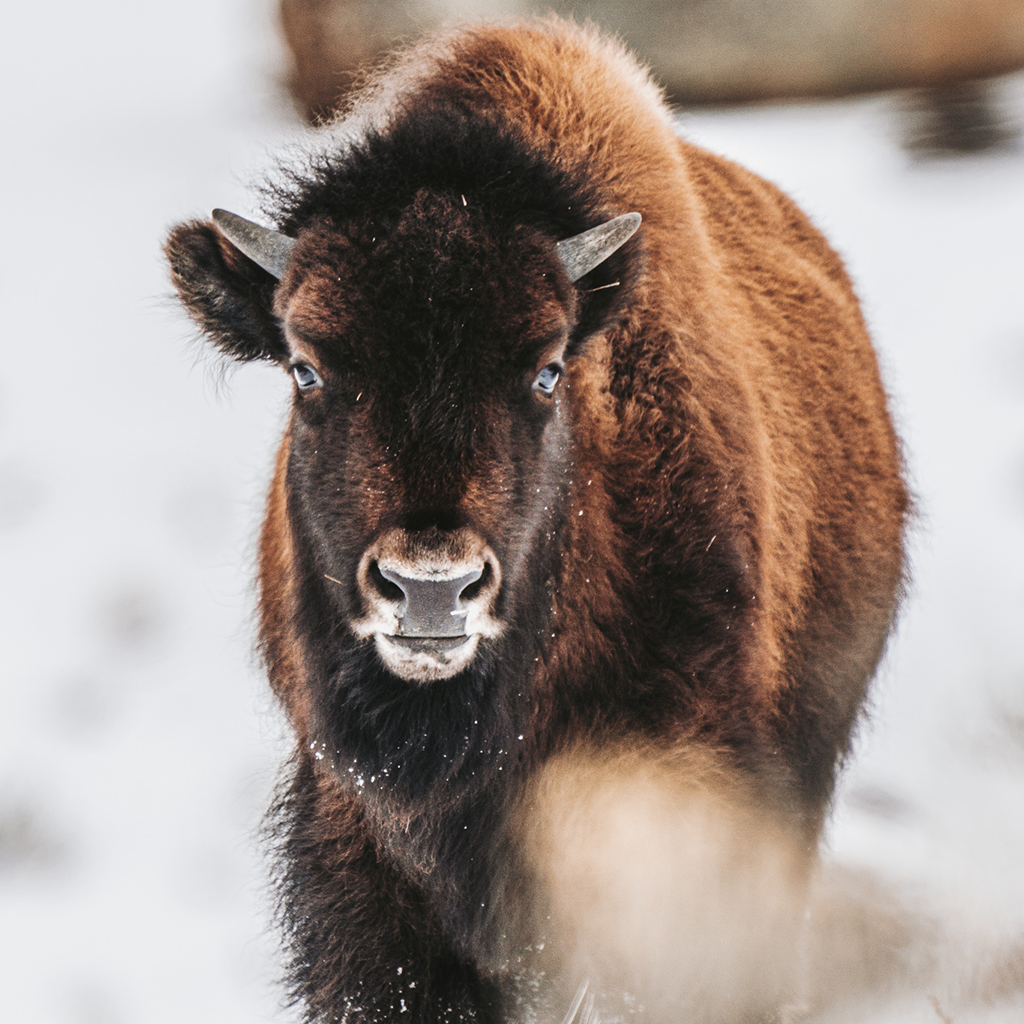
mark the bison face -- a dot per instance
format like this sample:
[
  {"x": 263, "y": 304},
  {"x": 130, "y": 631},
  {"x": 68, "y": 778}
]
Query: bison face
[
  {"x": 429, "y": 454},
  {"x": 411, "y": 545}
]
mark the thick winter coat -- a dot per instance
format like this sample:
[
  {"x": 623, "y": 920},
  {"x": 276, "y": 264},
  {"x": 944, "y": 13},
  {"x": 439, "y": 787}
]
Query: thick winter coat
[{"x": 532, "y": 540}]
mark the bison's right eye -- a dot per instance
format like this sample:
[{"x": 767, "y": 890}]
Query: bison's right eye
[
  {"x": 547, "y": 379},
  {"x": 306, "y": 377}
]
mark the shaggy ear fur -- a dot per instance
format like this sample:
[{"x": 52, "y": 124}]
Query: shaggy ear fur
[{"x": 228, "y": 296}]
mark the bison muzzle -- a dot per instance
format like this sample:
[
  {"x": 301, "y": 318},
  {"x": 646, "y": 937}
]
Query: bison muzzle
[{"x": 429, "y": 596}]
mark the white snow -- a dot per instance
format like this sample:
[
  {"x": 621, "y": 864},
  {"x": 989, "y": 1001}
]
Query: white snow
[{"x": 138, "y": 744}]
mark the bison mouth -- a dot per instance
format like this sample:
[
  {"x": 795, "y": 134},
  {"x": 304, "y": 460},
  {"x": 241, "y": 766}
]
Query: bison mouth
[{"x": 425, "y": 659}]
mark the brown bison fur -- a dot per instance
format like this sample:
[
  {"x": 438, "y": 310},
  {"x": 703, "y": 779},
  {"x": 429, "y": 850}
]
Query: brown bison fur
[{"x": 698, "y": 535}]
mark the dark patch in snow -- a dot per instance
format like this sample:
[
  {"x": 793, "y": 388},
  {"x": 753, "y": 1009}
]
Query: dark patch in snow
[
  {"x": 131, "y": 616},
  {"x": 26, "y": 840},
  {"x": 879, "y": 802}
]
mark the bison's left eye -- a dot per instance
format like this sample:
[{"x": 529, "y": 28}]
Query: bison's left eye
[
  {"x": 547, "y": 379},
  {"x": 306, "y": 377}
]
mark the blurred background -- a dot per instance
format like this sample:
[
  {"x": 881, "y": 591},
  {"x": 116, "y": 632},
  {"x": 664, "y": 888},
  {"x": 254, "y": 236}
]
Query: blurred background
[{"x": 138, "y": 744}]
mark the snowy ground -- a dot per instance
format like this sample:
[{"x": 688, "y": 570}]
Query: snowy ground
[{"x": 137, "y": 743}]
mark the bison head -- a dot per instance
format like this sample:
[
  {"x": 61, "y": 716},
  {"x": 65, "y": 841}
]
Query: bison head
[
  {"x": 425, "y": 472},
  {"x": 460, "y": 439}
]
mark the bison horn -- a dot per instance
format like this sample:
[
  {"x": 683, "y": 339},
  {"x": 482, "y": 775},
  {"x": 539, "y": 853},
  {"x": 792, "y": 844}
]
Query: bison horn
[
  {"x": 266, "y": 248},
  {"x": 583, "y": 252}
]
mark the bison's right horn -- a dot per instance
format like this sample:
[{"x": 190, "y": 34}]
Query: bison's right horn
[
  {"x": 266, "y": 248},
  {"x": 584, "y": 251}
]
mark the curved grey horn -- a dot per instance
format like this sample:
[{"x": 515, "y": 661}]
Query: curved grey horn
[
  {"x": 584, "y": 251},
  {"x": 269, "y": 249}
]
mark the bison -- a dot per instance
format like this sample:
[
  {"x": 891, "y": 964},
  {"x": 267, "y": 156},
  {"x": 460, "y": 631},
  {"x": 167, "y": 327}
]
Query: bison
[
  {"x": 583, "y": 542},
  {"x": 702, "y": 51}
]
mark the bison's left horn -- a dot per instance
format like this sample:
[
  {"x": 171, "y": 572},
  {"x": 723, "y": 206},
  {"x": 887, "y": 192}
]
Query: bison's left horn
[
  {"x": 268, "y": 249},
  {"x": 583, "y": 252}
]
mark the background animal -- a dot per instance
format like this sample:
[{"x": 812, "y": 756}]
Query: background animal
[
  {"x": 665, "y": 498},
  {"x": 721, "y": 51}
]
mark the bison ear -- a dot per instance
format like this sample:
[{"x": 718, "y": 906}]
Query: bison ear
[
  {"x": 583, "y": 252},
  {"x": 227, "y": 294}
]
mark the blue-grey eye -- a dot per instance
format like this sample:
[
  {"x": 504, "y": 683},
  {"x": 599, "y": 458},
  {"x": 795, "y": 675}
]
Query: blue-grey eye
[
  {"x": 547, "y": 379},
  {"x": 306, "y": 377}
]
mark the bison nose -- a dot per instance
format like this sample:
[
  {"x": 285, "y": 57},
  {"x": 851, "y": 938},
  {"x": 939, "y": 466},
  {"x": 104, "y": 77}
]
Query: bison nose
[{"x": 433, "y": 607}]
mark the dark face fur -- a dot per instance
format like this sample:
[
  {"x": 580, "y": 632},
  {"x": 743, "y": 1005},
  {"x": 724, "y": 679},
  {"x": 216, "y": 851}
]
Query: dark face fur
[{"x": 430, "y": 443}]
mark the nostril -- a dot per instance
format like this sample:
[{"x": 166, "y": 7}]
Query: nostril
[
  {"x": 388, "y": 590},
  {"x": 469, "y": 592}
]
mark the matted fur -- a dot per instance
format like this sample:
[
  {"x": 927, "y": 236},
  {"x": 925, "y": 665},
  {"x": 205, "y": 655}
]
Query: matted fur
[{"x": 699, "y": 535}]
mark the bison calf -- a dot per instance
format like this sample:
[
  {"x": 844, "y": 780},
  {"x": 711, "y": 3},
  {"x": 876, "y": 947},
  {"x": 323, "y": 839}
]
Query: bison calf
[{"x": 582, "y": 546}]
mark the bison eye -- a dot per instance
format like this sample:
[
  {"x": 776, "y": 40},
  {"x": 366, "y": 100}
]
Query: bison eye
[
  {"x": 306, "y": 377},
  {"x": 547, "y": 379}
]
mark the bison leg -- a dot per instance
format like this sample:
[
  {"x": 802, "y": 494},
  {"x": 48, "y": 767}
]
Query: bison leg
[{"x": 365, "y": 944}]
